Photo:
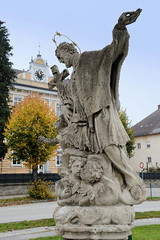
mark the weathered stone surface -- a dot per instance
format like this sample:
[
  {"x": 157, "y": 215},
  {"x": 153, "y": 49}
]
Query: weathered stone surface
[
  {"x": 118, "y": 232},
  {"x": 98, "y": 185},
  {"x": 116, "y": 215}
]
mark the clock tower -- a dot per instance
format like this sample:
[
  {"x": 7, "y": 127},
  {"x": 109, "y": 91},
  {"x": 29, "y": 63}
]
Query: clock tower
[{"x": 39, "y": 69}]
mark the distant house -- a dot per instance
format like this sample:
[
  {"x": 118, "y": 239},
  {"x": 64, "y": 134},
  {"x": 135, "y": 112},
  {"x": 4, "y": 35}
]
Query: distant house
[
  {"x": 34, "y": 80},
  {"x": 147, "y": 135}
]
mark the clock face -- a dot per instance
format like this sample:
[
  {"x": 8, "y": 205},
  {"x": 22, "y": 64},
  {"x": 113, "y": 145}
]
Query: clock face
[{"x": 39, "y": 75}]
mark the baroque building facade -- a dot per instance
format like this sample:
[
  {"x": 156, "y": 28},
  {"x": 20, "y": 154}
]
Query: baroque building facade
[{"x": 34, "y": 80}]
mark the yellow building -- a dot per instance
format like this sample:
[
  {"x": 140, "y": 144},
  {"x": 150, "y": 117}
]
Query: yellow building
[{"x": 34, "y": 80}]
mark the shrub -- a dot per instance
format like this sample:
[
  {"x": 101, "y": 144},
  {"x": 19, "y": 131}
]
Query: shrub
[
  {"x": 154, "y": 169},
  {"x": 40, "y": 189}
]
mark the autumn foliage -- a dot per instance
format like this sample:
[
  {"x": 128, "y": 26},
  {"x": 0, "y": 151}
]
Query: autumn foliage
[
  {"x": 130, "y": 146},
  {"x": 30, "y": 119}
]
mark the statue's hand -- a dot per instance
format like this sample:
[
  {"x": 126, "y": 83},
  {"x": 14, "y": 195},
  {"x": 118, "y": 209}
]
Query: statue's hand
[
  {"x": 129, "y": 17},
  {"x": 65, "y": 73}
]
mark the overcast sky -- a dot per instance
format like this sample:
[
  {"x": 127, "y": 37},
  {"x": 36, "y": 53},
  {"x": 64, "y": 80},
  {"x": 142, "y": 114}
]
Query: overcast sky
[{"x": 89, "y": 23}]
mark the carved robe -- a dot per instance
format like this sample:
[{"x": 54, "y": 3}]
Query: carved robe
[{"x": 95, "y": 84}]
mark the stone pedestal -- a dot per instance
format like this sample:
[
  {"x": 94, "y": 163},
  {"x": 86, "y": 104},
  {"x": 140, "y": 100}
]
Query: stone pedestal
[
  {"x": 89, "y": 223},
  {"x": 109, "y": 232}
]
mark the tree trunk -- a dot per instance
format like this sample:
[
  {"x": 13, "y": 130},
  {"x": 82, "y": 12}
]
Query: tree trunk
[{"x": 35, "y": 174}]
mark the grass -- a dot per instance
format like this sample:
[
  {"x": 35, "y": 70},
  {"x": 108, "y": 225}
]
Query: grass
[
  {"x": 26, "y": 224},
  {"x": 153, "y": 198},
  {"x": 20, "y": 200},
  {"x": 16, "y": 199},
  {"x": 152, "y": 214},
  {"x": 151, "y": 232}
]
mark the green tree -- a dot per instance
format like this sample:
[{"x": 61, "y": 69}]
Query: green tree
[
  {"x": 30, "y": 119},
  {"x": 130, "y": 146},
  {"x": 7, "y": 76}
]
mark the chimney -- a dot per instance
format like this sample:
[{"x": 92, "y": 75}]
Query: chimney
[{"x": 158, "y": 106}]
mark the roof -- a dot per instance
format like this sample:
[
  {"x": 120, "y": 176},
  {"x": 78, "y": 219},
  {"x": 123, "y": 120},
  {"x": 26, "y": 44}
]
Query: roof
[
  {"x": 18, "y": 71},
  {"x": 149, "y": 125}
]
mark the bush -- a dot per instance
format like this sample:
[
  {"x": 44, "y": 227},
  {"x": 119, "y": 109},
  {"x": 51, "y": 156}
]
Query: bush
[
  {"x": 154, "y": 169},
  {"x": 40, "y": 190}
]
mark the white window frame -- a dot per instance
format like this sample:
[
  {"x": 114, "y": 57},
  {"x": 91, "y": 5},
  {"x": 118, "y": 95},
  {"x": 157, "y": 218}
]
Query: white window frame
[
  {"x": 148, "y": 145},
  {"x": 138, "y": 146},
  {"x": 18, "y": 99},
  {"x": 58, "y": 157},
  {"x": 58, "y": 108},
  {"x": 43, "y": 168},
  {"x": 50, "y": 101},
  {"x": 16, "y": 164},
  {"x": 149, "y": 159}
]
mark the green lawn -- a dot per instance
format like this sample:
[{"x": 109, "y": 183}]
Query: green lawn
[
  {"x": 26, "y": 224},
  {"x": 150, "y": 232},
  {"x": 19, "y": 200},
  {"x": 153, "y": 198},
  {"x": 151, "y": 214},
  {"x": 16, "y": 199}
]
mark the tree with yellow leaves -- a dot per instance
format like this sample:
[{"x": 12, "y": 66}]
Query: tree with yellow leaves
[
  {"x": 130, "y": 145},
  {"x": 30, "y": 119}
]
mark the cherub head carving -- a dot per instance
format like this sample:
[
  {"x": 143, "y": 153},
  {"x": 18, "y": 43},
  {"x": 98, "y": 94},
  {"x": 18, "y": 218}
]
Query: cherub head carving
[
  {"x": 76, "y": 164},
  {"x": 63, "y": 189},
  {"x": 92, "y": 172},
  {"x": 63, "y": 172}
]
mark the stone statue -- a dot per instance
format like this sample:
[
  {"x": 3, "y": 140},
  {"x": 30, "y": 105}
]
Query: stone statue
[{"x": 98, "y": 187}]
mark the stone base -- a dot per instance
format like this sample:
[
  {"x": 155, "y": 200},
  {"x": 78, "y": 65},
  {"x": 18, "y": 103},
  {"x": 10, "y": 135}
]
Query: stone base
[
  {"x": 94, "y": 223},
  {"x": 110, "y": 232}
]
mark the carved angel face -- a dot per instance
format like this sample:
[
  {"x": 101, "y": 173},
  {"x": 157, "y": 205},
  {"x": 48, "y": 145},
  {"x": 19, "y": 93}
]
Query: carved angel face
[
  {"x": 76, "y": 168},
  {"x": 92, "y": 172},
  {"x": 64, "y": 189}
]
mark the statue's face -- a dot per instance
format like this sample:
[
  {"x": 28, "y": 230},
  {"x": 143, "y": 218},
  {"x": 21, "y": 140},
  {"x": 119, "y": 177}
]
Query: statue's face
[
  {"x": 91, "y": 173},
  {"x": 65, "y": 191},
  {"x": 76, "y": 168},
  {"x": 65, "y": 57}
]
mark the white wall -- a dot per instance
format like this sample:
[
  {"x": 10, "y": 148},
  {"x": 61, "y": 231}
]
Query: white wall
[{"x": 142, "y": 154}]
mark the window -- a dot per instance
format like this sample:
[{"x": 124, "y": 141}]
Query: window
[
  {"x": 58, "y": 109},
  {"x": 17, "y": 99},
  {"x": 40, "y": 168},
  {"x": 43, "y": 168},
  {"x": 16, "y": 162},
  {"x": 58, "y": 157},
  {"x": 149, "y": 159},
  {"x": 148, "y": 145},
  {"x": 50, "y": 101},
  {"x": 58, "y": 160},
  {"x": 138, "y": 145}
]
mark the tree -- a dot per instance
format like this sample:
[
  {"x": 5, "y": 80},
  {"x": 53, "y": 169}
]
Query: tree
[
  {"x": 7, "y": 76},
  {"x": 130, "y": 146},
  {"x": 30, "y": 119}
]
